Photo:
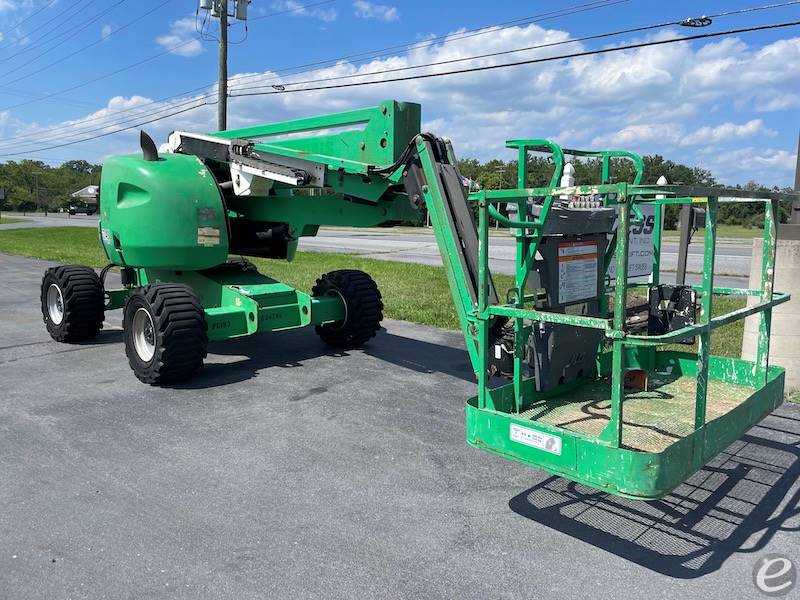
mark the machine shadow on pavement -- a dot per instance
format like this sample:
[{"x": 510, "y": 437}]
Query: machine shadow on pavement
[
  {"x": 290, "y": 349},
  {"x": 735, "y": 504}
]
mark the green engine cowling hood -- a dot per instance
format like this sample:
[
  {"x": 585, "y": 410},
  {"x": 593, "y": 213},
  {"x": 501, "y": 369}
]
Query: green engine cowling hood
[{"x": 162, "y": 214}]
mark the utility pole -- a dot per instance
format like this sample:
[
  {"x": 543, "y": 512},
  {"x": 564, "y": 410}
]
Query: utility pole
[
  {"x": 36, "y": 183},
  {"x": 222, "y": 107},
  {"x": 795, "y": 216},
  {"x": 219, "y": 9}
]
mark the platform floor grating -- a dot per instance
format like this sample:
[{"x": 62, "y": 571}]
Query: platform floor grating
[{"x": 652, "y": 420}]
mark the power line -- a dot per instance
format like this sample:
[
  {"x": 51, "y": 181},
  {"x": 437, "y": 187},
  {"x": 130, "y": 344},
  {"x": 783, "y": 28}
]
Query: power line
[
  {"x": 145, "y": 60},
  {"x": 70, "y": 55},
  {"x": 684, "y": 22},
  {"x": 141, "y": 109},
  {"x": 95, "y": 137},
  {"x": 281, "y": 87},
  {"x": 291, "y": 10},
  {"x": 455, "y": 72},
  {"x": 33, "y": 43},
  {"x": 29, "y": 17},
  {"x": 105, "y": 76},
  {"x": 483, "y": 30},
  {"x": 166, "y": 109},
  {"x": 57, "y": 16},
  {"x": 530, "y": 61},
  {"x": 567, "y": 11}
]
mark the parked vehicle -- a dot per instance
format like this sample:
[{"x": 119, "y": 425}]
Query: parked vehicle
[{"x": 82, "y": 210}]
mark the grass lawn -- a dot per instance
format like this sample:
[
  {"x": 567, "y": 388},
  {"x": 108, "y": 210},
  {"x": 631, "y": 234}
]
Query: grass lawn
[
  {"x": 411, "y": 292},
  {"x": 6, "y": 221}
]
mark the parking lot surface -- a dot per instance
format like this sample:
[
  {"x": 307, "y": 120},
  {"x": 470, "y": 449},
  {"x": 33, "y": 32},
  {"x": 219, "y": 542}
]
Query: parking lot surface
[{"x": 287, "y": 470}]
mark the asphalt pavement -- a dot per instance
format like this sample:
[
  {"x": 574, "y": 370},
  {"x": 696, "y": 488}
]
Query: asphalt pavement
[
  {"x": 732, "y": 265},
  {"x": 286, "y": 470}
]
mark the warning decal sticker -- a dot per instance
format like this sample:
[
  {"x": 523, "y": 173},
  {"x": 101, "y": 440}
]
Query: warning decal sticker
[
  {"x": 208, "y": 236},
  {"x": 535, "y": 439},
  {"x": 577, "y": 271}
]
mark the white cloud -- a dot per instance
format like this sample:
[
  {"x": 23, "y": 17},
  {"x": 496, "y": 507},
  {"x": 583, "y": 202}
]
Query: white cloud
[
  {"x": 105, "y": 31},
  {"x": 767, "y": 165},
  {"x": 368, "y": 10},
  {"x": 727, "y": 131},
  {"x": 673, "y": 134},
  {"x": 678, "y": 100},
  {"x": 181, "y": 38},
  {"x": 294, "y": 8}
]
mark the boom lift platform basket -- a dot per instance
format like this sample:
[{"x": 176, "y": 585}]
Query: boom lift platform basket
[
  {"x": 637, "y": 443},
  {"x": 170, "y": 219}
]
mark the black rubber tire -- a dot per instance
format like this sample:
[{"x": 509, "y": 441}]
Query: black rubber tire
[
  {"x": 83, "y": 303},
  {"x": 363, "y": 306},
  {"x": 179, "y": 332}
]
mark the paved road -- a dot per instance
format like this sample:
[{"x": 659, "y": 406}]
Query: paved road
[
  {"x": 732, "y": 260},
  {"x": 51, "y": 220},
  {"x": 286, "y": 470}
]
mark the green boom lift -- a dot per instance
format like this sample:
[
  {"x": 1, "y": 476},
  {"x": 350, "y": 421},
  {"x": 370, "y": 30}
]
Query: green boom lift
[{"x": 564, "y": 383}]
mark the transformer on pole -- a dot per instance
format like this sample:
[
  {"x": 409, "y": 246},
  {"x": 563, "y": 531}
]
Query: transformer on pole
[{"x": 219, "y": 9}]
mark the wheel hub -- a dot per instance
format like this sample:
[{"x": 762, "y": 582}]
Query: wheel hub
[
  {"x": 55, "y": 304},
  {"x": 144, "y": 338}
]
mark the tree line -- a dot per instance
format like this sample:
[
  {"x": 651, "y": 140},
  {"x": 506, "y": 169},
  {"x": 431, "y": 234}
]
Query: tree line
[
  {"x": 30, "y": 184},
  {"x": 496, "y": 174}
]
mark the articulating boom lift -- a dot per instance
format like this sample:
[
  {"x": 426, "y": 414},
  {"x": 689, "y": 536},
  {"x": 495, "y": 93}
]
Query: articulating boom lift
[{"x": 585, "y": 397}]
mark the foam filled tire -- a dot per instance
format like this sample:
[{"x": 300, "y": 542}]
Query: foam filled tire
[
  {"x": 165, "y": 333},
  {"x": 73, "y": 303},
  {"x": 363, "y": 308}
]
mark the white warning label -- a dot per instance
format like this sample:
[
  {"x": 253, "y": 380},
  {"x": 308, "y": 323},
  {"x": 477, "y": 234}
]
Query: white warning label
[
  {"x": 577, "y": 271},
  {"x": 208, "y": 236},
  {"x": 536, "y": 439}
]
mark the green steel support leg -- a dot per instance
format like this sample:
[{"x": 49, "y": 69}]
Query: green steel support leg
[
  {"x": 707, "y": 287},
  {"x": 613, "y": 431},
  {"x": 483, "y": 296},
  {"x": 658, "y": 224},
  {"x": 655, "y": 276},
  {"x": 767, "y": 281},
  {"x": 521, "y": 278},
  {"x": 522, "y": 169}
]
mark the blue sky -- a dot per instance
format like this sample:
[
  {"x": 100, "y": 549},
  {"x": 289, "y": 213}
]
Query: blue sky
[{"x": 729, "y": 104}]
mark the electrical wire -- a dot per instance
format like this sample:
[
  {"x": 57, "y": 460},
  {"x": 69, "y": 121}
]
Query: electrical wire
[
  {"x": 34, "y": 44},
  {"x": 598, "y": 51},
  {"x": 87, "y": 46},
  {"x": 291, "y": 10},
  {"x": 70, "y": 128},
  {"x": 531, "y": 61},
  {"x": 28, "y": 18},
  {"x": 287, "y": 11},
  {"x": 161, "y": 111},
  {"x": 483, "y": 30},
  {"x": 567, "y": 11},
  {"x": 57, "y": 17},
  {"x": 95, "y": 137},
  {"x": 104, "y": 76},
  {"x": 683, "y": 22}
]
